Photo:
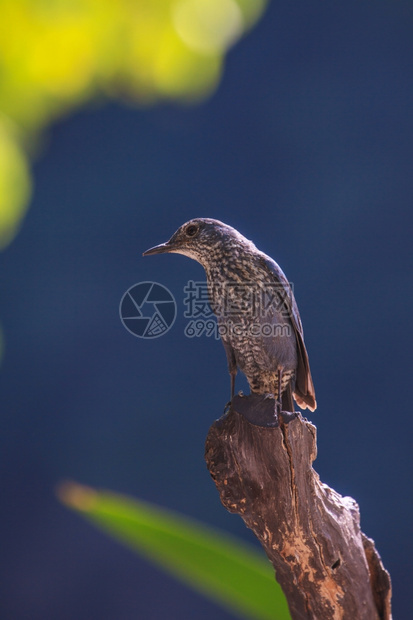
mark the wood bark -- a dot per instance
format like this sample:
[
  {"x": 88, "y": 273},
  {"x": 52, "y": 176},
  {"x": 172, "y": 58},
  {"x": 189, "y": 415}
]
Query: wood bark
[{"x": 327, "y": 568}]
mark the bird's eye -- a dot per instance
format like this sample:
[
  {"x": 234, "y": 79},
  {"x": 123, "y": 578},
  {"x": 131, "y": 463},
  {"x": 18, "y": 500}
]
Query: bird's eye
[{"x": 191, "y": 230}]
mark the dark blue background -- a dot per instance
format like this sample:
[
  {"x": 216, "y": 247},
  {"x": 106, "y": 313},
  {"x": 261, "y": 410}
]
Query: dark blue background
[{"x": 307, "y": 149}]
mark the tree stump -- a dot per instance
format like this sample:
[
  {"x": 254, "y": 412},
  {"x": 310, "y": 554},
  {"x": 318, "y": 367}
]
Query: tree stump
[{"x": 326, "y": 566}]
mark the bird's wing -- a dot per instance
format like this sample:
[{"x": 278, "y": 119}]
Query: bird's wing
[{"x": 304, "y": 392}]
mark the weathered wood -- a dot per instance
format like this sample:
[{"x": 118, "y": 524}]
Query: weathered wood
[{"x": 325, "y": 565}]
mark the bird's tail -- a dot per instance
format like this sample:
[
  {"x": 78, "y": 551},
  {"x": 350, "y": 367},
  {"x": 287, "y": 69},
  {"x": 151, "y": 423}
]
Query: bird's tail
[
  {"x": 306, "y": 401},
  {"x": 304, "y": 392}
]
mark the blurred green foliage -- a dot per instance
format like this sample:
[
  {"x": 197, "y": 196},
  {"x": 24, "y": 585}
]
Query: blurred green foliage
[
  {"x": 57, "y": 54},
  {"x": 233, "y": 574}
]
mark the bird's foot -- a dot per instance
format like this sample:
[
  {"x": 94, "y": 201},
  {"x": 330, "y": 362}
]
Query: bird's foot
[
  {"x": 286, "y": 416},
  {"x": 258, "y": 409},
  {"x": 261, "y": 410},
  {"x": 227, "y": 406},
  {"x": 229, "y": 403}
]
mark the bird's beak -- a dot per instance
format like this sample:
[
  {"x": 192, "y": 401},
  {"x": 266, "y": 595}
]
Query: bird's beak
[{"x": 163, "y": 248}]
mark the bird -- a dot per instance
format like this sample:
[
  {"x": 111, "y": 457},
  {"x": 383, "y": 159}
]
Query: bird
[{"x": 257, "y": 315}]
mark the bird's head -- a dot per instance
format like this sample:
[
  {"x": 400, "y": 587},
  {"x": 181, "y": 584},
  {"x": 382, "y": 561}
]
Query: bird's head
[{"x": 202, "y": 239}]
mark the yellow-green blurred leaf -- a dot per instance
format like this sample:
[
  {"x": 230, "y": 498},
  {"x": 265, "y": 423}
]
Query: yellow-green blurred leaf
[
  {"x": 57, "y": 54},
  {"x": 232, "y": 573},
  {"x": 14, "y": 184}
]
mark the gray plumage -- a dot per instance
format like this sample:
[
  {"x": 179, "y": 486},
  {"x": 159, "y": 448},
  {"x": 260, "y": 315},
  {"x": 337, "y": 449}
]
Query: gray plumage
[{"x": 257, "y": 314}]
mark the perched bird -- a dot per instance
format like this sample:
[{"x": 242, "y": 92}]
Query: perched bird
[{"x": 258, "y": 318}]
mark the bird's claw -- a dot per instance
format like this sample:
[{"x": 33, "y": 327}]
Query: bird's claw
[
  {"x": 286, "y": 416},
  {"x": 227, "y": 406}
]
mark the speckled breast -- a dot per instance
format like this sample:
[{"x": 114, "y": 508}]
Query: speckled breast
[{"x": 253, "y": 319}]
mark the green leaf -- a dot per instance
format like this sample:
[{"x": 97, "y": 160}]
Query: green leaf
[{"x": 226, "y": 570}]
